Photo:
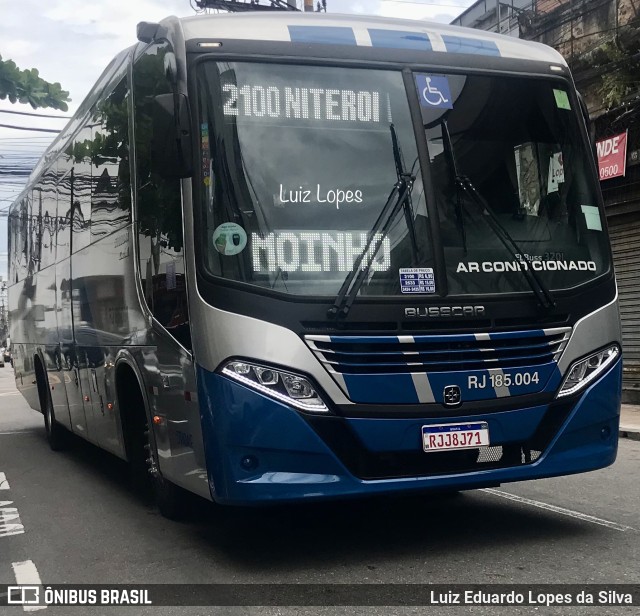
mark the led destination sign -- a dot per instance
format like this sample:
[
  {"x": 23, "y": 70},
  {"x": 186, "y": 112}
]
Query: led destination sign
[
  {"x": 319, "y": 251},
  {"x": 264, "y": 101}
]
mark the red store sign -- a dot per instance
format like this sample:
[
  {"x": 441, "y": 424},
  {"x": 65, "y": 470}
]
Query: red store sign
[{"x": 612, "y": 156}]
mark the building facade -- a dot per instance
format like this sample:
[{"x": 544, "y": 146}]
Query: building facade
[{"x": 601, "y": 41}]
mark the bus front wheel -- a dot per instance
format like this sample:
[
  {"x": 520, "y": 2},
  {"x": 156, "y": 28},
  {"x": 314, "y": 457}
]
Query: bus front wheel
[
  {"x": 56, "y": 435},
  {"x": 146, "y": 477}
]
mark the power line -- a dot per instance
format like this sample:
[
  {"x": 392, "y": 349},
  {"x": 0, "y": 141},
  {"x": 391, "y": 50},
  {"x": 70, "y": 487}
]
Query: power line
[
  {"x": 458, "y": 5},
  {"x": 41, "y": 130},
  {"x": 35, "y": 115}
]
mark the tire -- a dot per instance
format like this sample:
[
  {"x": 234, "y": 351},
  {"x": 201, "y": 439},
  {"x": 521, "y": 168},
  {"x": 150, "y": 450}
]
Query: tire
[
  {"x": 147, "y": 480},
  {"x": 57, "y": 436}
]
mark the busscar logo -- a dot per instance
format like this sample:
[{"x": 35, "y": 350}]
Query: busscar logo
[
  {"x": 435, "y": 312},
  {"x": 452, "y": 395}
]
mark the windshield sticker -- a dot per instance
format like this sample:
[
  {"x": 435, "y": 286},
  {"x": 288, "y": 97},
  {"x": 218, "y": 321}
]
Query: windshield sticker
[
  {"x": 206, "y": 161},
  {"x": 333, "y": 196},
  {"x": 562, "y": 99},
  {"x": 229, "y": 239},
  {"x": 556, "y": 172},
  {"x": 537, "y": 265},
  {"x": 258, "y": 101},
  {"x": 592, "y": 217},
  {"x": 170, "y": 279},
  {"x": 417, "y": 280},
  {"x": 434, "y": 91},
  {"x": 528, "y": 178},
  {"x": 316, "y": 251}
]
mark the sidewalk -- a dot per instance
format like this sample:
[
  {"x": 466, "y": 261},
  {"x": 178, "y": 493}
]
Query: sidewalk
[{"x": 630, "y": 422}]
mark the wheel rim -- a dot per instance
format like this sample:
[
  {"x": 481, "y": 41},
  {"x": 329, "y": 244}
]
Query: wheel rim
[{"x": 152, "y": 465}]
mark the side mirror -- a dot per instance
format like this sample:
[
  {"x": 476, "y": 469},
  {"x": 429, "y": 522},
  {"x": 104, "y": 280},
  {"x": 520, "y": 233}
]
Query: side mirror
[{"x": 171, "y": 154}]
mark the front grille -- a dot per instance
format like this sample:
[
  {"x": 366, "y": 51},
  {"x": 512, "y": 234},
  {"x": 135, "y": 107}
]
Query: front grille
[
  {"x": 390, "y": 465},
  {"x": 366, "y": 464},
  {"x": 438, "y": 353}
]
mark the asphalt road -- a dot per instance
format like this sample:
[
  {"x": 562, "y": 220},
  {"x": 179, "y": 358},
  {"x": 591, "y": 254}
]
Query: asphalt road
[{"x": 78, "y": 522}]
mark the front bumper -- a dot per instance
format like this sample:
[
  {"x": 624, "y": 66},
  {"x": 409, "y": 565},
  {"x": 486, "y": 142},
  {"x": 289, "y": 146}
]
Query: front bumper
[{"x": 260, "y": 451}]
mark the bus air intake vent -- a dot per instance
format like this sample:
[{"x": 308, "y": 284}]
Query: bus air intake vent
[{"x": 438, "y": 353}]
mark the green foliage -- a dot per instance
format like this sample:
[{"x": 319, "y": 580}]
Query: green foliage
[
  {"x": 619, "y": 83},
  {"x": 615, "y": 88},
  {"x": 27, "y": 86}
]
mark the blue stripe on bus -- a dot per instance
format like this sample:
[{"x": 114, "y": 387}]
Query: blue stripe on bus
[
  {"x": 554, "y": 380},
  {"x": 440, "y": 380},
  {"x": 399, "y": 39},
  {"x": 390, "y": 388},
  {"x": 462, "y": 44},
  {"x": 330, "y": 35},
  {"x": 381, "y": 388}
]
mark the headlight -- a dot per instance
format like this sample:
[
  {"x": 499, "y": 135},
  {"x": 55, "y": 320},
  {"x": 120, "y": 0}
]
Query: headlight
[
  {"x": 284, "y": 386},
  {"x": 586, "y": 370}
]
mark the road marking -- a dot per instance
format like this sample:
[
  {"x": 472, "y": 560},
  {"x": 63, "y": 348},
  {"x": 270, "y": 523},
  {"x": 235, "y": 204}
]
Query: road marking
[
  {"x": 10, "y": 523},
  {"x": 10, "y": 393},
  {"x": 4, "y": 484},
  {"x": 17, "y": 432},
  {"x": 27, "y": 575},
  {"x": 556, "y": 509}
]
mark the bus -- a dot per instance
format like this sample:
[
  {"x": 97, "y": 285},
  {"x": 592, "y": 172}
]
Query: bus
[{"x": 282, "y": 256}]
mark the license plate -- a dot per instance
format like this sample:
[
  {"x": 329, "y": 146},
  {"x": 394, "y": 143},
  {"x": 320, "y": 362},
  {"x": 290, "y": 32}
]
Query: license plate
[{"x": 444, "y": 437}]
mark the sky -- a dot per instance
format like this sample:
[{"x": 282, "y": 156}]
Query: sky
[{"x": 72, "y": 41}]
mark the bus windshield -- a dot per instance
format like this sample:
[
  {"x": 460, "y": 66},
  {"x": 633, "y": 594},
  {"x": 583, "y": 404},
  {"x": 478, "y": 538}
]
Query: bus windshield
[{"x": 299, "y": 161}]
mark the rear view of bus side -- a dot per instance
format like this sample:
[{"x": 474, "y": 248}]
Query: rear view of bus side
[{"x": 283, "y": 256}]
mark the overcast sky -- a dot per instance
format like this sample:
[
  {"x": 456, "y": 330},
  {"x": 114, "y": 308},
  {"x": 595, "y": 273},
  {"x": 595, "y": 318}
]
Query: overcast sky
[{"x": 71, "y": 41}]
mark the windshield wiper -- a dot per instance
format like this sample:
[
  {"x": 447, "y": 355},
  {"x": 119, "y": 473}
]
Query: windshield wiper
[
  {"x": 448, "y": 151},
  {"x": 398, "y": 198},
  {"x": 407, "y": 204},
  {"x": 464, "y": 183}
]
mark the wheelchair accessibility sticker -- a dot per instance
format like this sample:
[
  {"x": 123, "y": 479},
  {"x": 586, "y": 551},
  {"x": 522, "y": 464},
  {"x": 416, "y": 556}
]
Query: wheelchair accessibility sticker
[{"x": 433, "y": 91}]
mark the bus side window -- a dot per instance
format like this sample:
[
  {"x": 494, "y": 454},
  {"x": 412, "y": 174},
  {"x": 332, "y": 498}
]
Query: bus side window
[
  {"x": 80, "y": 207},
  {"x": 111, "y": 183},
  {"x": 23, "y": 243},
  {"x": 158, "y": 207},
  {"x": 64, "y": 190},
  {"x": 46, "y": 212}
]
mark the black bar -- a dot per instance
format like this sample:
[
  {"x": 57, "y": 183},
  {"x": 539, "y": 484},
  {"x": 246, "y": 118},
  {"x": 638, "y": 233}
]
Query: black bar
[{"x": 538, "y": 595}]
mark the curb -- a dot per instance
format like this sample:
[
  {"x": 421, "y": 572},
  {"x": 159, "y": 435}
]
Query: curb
[{"x": 630, "y": 433}]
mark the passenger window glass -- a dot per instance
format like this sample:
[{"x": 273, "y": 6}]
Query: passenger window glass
[
  {"x": 17, "y": 243},
  {"x": 65, "y": 203},
  {"x": 44, "y": 196},
  {"x": 81, "y": 190},
  {"x": 111, "y": 184},
  {"x": 158, "y": 207}
]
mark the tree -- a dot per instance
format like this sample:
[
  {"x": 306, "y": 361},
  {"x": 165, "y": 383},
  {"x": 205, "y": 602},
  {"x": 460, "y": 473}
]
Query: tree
[{"x": 26, "y": 86}]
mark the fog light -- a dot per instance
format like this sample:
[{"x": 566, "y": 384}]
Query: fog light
[{"x": 249, "y": 463}]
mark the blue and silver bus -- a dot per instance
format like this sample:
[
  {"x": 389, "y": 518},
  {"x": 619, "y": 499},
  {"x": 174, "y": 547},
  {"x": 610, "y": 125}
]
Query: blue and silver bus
[{"x": 280, "y": 256}]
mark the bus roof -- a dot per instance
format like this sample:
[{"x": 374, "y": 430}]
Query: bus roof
[
  {"x": 364, "y": 31},
  {"x": 332, "y": 29}
]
